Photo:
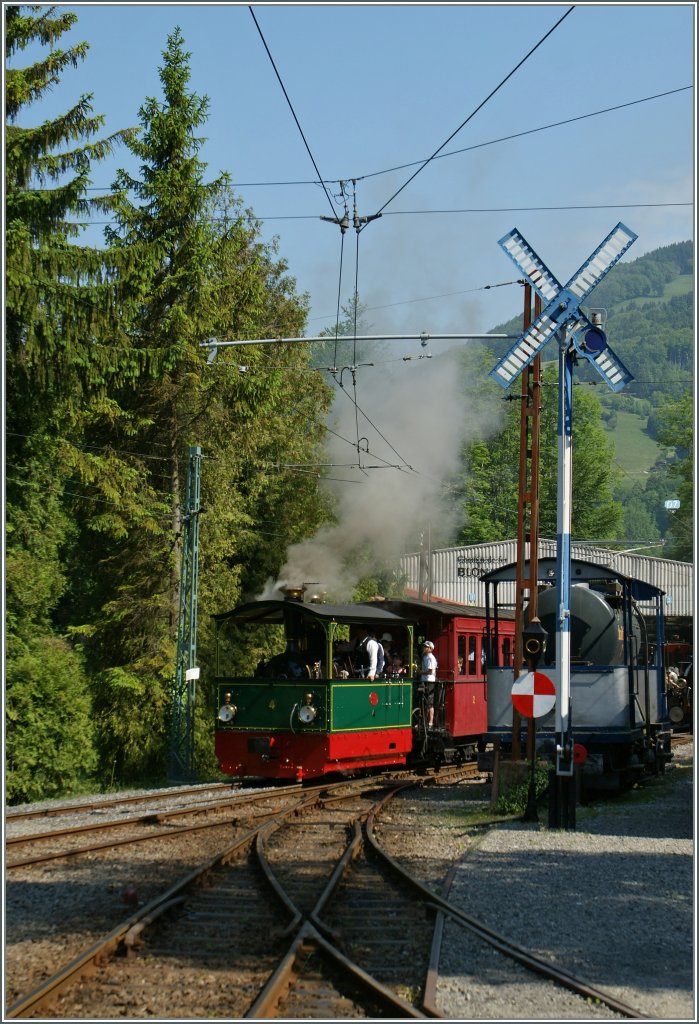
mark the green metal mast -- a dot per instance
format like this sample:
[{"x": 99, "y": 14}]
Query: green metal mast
[{"x": 181, "y": 766}]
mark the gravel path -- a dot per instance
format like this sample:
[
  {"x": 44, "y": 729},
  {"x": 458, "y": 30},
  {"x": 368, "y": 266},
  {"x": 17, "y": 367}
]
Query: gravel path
[{"x": 611, "y": 902}]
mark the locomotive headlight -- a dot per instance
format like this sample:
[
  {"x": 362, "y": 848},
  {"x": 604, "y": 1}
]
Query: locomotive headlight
[
  {"x": 307, "y": 712},
  {"x": 227, "y": 711}
]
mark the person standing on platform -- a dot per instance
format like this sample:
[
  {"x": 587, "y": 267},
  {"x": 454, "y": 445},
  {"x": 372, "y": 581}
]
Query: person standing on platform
[{"x": 428, "y": 678}]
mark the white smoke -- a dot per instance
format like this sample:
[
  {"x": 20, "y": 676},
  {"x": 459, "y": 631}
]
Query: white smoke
[{"x": 392, "y": 454}]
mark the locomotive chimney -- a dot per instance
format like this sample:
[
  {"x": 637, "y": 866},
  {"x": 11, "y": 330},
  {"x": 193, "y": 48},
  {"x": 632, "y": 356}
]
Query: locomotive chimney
[{"x": 293, "y": 619}]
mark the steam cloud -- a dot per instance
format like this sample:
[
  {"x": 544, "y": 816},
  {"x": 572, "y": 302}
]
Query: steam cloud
[{"x": 414, "y": 417}]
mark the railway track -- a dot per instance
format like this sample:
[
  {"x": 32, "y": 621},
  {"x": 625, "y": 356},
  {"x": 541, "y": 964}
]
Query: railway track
[
  {"x": 304, "y": 914},
  {"x": 59, "y": 842},
  {"x": 229, "y": 887},
  {"x": 116, "y": 803},
  {"x": 512, "y": 951},
  {"x": 69, "y": 891}
]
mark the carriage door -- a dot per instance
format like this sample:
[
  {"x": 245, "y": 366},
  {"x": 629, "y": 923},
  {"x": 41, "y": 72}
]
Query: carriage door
[{"x": 469, "y": 696}]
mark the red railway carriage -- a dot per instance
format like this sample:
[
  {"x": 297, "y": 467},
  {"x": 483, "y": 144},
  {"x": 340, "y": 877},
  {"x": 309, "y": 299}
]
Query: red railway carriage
[{"x": 463, "y": 651}]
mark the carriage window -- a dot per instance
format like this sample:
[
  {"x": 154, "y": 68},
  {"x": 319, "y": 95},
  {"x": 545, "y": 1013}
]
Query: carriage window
[
  {"x": 472, "y": 664},
  {"x": 506, "y": 652},
  {"x": 461, "y": 656}
]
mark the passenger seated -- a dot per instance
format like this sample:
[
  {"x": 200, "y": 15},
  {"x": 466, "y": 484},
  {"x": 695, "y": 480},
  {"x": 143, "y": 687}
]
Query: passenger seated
[
  {"x": 288, "y": 665},
  {"x": 396, "y": 669}
]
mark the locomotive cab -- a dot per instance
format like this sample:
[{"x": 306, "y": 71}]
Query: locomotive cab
[{"x": 294, "y": 700}]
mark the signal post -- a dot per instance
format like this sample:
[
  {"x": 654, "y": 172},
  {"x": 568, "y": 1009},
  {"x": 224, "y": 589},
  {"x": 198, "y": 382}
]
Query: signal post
[{"x": 562, "y": 318}]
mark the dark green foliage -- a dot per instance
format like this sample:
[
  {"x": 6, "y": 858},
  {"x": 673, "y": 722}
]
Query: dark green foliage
[
  {"x": 107, "y": 387},
  {"x": 107, "y": 384},
  {"x": 388, "y": 582},
  {"x": 37, "y": 530},
  {"x": 49, "y": 742},
  {"x": 645, "y": 276},
  {"x": 131, "y": 716},
  {"x": 490, "y": 491},
  {"x": 676, "y": 433},
  {"x": 514, "y": 800},
  {"x": 59, "y": 298},
  {"x": 645, "y": 518},
  {"x": 203, "y": 273}
]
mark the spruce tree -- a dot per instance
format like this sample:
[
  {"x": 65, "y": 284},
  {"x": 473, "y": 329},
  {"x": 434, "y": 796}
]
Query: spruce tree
[
  {"x": 204, "y": 273},
  {"x": 59, "y": 297}
]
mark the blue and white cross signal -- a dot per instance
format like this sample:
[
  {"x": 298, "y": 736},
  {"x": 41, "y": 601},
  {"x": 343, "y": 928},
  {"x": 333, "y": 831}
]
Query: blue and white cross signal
[{"x": 562, "y": 310}]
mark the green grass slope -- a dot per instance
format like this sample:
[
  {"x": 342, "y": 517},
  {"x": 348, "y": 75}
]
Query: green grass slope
[{"x": 634, "y": 451}]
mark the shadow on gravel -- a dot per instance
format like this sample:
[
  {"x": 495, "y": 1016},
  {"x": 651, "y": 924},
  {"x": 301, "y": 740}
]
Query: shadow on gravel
[{"x": 40, "y": 908}]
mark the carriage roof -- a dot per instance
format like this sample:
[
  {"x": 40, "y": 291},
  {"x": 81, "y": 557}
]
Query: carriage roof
[{"x": 436, "y": 606}]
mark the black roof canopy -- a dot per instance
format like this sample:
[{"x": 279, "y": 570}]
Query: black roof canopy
[
  {"x": 580, "y": 572},
  {"x": 277, "y": 612}
]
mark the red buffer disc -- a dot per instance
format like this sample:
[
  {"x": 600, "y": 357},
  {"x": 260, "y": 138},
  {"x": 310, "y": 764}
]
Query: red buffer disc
[
  {"x": 533, "y": 695},
  {"x": 579, "y": 753}
]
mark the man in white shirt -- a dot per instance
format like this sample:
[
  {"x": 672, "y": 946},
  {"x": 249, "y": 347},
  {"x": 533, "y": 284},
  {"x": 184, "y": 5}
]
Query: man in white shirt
[
  {"x": 428, "y": 678},
  {"x": 376, "y": 657}
]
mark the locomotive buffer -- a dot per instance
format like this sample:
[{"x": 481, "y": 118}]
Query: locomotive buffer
[{"x": 562, "y": 319}]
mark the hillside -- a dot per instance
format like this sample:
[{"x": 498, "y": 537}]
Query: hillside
[{"x": 648, "y": 308}]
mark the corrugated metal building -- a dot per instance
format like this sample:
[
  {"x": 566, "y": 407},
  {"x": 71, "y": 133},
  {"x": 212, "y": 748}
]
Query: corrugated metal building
[{"x": 453, "y": 574}]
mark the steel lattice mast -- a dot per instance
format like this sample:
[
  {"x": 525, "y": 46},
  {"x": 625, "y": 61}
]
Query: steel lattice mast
[{"x": 186, "y": 672}]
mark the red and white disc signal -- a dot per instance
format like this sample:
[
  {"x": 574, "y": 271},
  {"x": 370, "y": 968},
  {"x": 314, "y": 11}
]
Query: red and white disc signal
[{"x": 533, "y": 695}]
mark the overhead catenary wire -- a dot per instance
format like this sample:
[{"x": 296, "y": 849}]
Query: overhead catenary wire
[
  {"x": 422, "y": 165},
  {"x": 413, "y": 163},
  {"x": 107, "y": 449},
  {"x": 293, "y": 112},
  {"x": 536, "y": 209},
  {"x": 356, "y": 222},
  {"x": 374, "y": 427},
  {"x": 479, "y": 107},
  {"x": 355, "y": 303},
  {"x": 432, "y": 213},
  {"x": 429, "y": 298},
  {"x": 339, "y": 283},
  {"x": 343, "y": 224},
  {"x": 509, "y": 138},
  {"x": 356, "y": 444}
]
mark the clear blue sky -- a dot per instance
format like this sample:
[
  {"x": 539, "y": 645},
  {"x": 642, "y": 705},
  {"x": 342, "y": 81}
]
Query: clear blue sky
[{"x": 376, "y": 86}]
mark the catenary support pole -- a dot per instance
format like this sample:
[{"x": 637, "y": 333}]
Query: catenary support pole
[{"x": 181, "y": 766}]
